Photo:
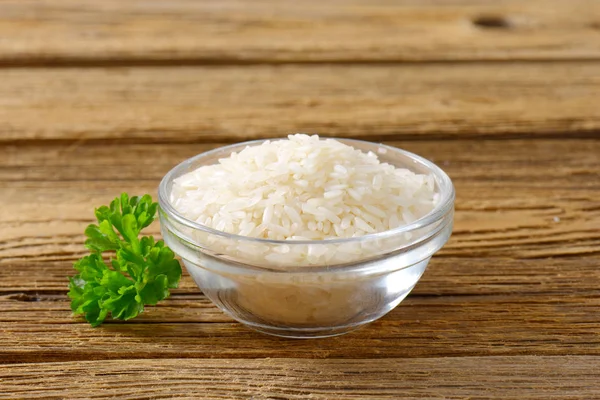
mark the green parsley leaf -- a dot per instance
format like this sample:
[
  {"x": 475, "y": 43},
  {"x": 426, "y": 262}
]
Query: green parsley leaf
[{"x": 140, "y": 273}]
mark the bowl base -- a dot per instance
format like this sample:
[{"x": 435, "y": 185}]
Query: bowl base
[{"x": 304, "y": 333}]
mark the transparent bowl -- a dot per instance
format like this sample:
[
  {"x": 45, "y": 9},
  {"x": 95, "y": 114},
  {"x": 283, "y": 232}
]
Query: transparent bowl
[{"x": 303, "y": 289}]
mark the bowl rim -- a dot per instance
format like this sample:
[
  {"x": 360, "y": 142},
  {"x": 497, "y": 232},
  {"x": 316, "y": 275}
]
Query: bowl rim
[{"x": 445, "y": 205}]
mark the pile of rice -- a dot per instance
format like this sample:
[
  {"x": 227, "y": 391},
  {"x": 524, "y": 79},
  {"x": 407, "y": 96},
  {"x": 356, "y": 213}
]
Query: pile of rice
[{"x": 303, "y": 188}]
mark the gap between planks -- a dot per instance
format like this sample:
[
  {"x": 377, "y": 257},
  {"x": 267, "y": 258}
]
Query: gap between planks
[{"x": 84, "y": 63}]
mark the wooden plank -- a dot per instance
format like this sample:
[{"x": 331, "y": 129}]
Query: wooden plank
[
  {"x": 474, "y": 300},
  {"x": 531, "y": 199},
  {"x": 217, "y": 31},
  {"x": 523, "y": 377},
  {"x": 191, "y": 104},
  {"x": 29, "y": 281},
  {"x": 422, "y": 326}
]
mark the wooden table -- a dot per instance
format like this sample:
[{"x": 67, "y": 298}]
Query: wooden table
[{"x": 99, "y": 97}]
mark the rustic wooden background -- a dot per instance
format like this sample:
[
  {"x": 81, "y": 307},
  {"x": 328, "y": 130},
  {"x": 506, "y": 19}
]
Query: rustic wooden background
[{"x": 98, "y": 97}]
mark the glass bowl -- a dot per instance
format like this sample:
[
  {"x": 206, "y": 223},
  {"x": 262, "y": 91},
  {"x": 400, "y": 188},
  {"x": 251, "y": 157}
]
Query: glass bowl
[{"x": 317, "y": 288}]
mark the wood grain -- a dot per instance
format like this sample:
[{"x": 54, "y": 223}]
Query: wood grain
[
  {"x": 224, "y": 104},
  {"x": 524, "y": 377},
  {"x": 102, "y": 97},
  {"x": 186, "y": 326},
  {"x": 73, "y": 32}
]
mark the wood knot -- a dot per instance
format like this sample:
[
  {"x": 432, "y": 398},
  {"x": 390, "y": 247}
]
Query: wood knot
[
  {"x": 24, "y": 297},
  {"x": 491, "y": 22}
]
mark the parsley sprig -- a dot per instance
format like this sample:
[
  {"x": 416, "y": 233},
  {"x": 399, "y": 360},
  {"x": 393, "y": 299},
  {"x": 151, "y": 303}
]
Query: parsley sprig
[{"x": 141, "y": 271}]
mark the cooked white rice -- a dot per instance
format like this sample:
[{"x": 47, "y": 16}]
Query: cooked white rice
[{"x": 303, "y": 188}]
